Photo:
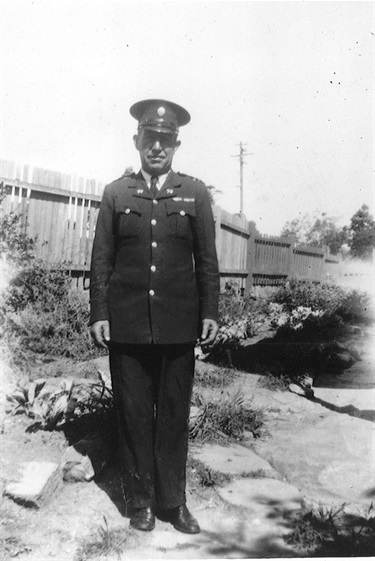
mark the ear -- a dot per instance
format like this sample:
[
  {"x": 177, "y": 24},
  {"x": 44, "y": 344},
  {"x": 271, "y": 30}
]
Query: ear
[
  {"x": 177, "y": 145},
  {"x": 135, "y": 140}
]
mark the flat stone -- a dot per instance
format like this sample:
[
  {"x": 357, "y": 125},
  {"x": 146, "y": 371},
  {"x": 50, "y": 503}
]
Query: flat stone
[
  {"x": 38, "y": 483},
  {"x": 354, "y": 479},
  {"x": 233, "y": 460},
  {"x": 76, "y": 466},
  {"x": 263, "y": 498}
]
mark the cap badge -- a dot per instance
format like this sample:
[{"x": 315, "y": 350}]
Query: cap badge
[{"x": 161, "y": 111}]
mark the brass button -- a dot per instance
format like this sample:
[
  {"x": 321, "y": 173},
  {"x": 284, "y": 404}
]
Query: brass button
[
  {"x": 153, "y": 222},
  {"x": 155, "y": 201},
  {"x": 182, "y": 212},
  {"x": 127, "y": 211},
  {"x": 151, "y": 292},
  {"x": 154, "y": 244},
  {"x": 153, "y": 268}
]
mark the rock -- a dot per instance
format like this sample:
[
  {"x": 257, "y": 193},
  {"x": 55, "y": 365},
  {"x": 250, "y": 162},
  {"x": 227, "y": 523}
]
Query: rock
[
  {"x": 302, "y": 390},
  {"x": 98, "y": 448},
  {"x": 38, "y": 484},
  {"x": 350, "y": 477},
  {"x": 266, "y": 498},
  {"x": 76, "y": 466},
  {"x": 233, "y": 460},
  {"x": 195, "y": 413}
]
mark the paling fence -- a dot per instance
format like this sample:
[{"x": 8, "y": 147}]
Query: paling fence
[{"x": 60, "y": 211}]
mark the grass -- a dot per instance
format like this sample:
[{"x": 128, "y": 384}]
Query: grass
[
  {"x": 334, "y": 533},
  {"x": 206, "y": 477},
  {"x": 227, "y": 417},
  {"x": 104, "y": 542},
  {"x": 274, "y": 382},
  {"x": 213, "y": 378}
]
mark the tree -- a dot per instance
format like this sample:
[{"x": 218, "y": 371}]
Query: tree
[
  {"x": 362, "y": 233},
  {"x": 317, "y": 230},
  {"x": 15, "y": 245},
  {"x": 212, "y": 192}
]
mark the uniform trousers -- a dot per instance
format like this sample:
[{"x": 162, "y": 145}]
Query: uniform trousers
[{"x": 152, "y": 387}]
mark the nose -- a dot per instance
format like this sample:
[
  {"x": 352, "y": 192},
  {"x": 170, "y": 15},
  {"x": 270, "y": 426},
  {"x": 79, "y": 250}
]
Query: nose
[{"x": 157, "y": 146}]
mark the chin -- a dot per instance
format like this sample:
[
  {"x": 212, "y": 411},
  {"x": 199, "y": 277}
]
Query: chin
[{"x": 157, "y": 168}]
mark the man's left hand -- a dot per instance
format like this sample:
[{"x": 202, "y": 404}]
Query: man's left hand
[{"x": 209, "y": 331}]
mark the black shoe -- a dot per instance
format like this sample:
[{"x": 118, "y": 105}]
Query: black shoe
[
  {"x": 143, "y": 519},
  {"x": 181, "y": 519}
]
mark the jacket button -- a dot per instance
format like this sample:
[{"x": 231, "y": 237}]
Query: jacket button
[
  {"x": 151, "y": 292},
  {"x": 127, "y": 211},
  {"x": 154, "y": 244},
  {"x": 155, "y": 201},
  {"x": 153, "y": 222},
  {"x": 182, "y": 212},
  {"x": 153, "y": 268}
]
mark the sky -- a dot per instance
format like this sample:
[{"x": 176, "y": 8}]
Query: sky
[{"x": 292, "y": 81}]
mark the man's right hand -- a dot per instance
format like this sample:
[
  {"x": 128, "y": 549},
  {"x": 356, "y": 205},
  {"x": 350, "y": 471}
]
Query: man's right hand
[{"x": 100, "y": 333}]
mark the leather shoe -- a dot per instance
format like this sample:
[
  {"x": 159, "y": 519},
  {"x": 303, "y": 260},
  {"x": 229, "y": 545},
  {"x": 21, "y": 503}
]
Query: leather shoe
[
  {"x": 182, "y": 520},
  {"x": 143, "y": 519}
]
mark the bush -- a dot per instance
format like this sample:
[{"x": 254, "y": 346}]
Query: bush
[
  {"x": 300, "y": 293},
  {"x": 46, "y": 313},
  {"x": 356, "y": 307},
  {"x": 40, "y": 285},
  {"x": 333, "y": 300},
  {"x": 15, "y": 245}
]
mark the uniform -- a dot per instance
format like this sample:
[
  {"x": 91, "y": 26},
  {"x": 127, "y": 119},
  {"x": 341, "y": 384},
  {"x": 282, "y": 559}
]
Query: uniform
[
  {"x": 142, "y": 265},
  {"x": 154, "y": 277}
]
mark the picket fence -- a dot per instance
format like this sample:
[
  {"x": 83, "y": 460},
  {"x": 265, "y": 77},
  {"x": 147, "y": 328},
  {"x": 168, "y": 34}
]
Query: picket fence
[{"x": 60, "y": 211}]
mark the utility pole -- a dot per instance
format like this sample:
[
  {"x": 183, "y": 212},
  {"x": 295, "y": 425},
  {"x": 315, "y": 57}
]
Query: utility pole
[{"x": 241, "y": 156}]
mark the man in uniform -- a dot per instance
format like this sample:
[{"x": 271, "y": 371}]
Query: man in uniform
[{"x": 154, "y": 292}]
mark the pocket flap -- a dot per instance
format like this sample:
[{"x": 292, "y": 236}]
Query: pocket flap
[
  {"x": 127, "y": 205},
  {"x": 180, "y": 206}
]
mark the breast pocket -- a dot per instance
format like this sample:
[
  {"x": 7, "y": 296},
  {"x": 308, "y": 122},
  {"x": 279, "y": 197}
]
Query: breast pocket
[
  {"x": 128, "y": 220},
  {"x": 180, "y": 218}
]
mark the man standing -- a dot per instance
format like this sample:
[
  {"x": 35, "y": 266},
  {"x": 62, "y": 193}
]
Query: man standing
[{"x": 154, "y": 291}]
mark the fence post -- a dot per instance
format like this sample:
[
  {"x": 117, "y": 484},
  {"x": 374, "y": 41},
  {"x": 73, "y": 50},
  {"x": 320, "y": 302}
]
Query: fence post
[
  {"x": 217, "y": 218},
  {"x": 290, "y": 267},
  {"x": 250, "y": 260}
]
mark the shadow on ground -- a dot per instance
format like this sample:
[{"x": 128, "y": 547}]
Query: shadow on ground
[{"x": 351, "y": 410}]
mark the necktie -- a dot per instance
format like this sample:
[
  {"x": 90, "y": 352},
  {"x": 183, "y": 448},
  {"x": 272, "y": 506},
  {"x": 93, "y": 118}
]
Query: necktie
[{"x": 153, "y": 185}]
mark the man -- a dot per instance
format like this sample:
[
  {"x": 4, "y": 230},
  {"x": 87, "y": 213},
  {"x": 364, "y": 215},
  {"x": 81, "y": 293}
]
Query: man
[{"x": 154, "y": 291}]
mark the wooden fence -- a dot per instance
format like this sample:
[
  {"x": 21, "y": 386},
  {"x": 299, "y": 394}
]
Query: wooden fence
[{"x": 61, "y": 211}]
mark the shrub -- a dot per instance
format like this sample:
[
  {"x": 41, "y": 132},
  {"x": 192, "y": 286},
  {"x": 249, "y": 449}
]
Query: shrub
[
  {"x": 324, "y": 299},
  {"x": 46, "y": 313},
  {"x": 15, "y": 245},
  {"x": 38, "y": 284},
  {"x": 227, "y": 417},
  {"x": 356, "y": 307},
  {"x": 296, "y": 293}
]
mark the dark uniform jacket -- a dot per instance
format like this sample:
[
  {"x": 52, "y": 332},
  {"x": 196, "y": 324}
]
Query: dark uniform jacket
[{"x": 154, "y": 272}]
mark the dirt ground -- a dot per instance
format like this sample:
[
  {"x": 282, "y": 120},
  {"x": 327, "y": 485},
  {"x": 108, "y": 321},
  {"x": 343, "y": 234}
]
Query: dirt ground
[{"x": 85, "y": 515}]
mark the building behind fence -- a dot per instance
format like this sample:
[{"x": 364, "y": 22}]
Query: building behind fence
[{"x": 60, "y": 211}]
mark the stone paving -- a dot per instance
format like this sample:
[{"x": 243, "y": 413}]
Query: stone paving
[{"x": 319, "y": 451}]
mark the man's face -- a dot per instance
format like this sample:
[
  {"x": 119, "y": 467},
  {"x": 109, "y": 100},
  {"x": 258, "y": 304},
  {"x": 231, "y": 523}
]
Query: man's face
[{"x": 156, "y": 150}]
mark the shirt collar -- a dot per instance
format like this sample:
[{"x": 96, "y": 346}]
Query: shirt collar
[{"x": 161, "y": 178}]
